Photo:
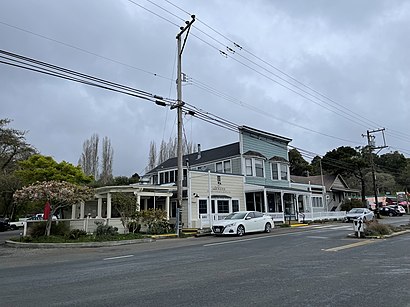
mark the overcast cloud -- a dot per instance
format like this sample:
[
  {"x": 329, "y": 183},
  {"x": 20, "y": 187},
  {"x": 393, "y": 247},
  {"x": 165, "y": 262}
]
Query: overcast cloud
[{"x": 354, "y": 52}]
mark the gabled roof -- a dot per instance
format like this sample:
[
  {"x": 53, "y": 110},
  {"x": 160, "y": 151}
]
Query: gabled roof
[
  {"x": 214, "y": 154},
  {"x": 278, "y": 159},
  {"x": 328, "y": 180},
  {"x": 263, "y": 133},
  {"x": 254, "y": 154}
]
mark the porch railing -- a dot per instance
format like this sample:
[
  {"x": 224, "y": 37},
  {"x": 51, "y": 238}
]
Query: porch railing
[{"x": 319, "y": 216}]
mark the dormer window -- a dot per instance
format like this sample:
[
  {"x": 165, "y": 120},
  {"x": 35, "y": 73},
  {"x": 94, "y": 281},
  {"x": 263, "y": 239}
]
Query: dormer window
[{"x": 280, "y": 168}]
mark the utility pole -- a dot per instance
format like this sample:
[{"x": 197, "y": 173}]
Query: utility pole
[
  {"x": 372, "y": 146},
  {"x": 179, "y": 109}
]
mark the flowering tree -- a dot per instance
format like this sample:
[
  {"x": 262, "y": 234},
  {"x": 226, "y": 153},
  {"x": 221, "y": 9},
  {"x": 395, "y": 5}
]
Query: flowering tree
[{"x": 58, "y": 194}]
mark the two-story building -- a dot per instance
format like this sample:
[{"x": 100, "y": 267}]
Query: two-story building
[
  {"x": 251, "y": 174},
  {"x": 259, "y": 159}
]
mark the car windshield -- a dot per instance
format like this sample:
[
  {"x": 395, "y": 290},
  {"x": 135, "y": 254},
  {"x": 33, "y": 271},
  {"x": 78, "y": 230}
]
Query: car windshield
[
  {"x": 235, "y": 216},
  {"x": 356, "y": 210}
]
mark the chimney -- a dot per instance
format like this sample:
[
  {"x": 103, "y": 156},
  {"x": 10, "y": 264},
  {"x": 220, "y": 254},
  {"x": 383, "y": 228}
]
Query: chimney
[{"x": 199, "y": 152}]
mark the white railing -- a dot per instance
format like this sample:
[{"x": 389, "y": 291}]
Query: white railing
[
  {"x": 276, "y": 216},
  {"x": 319, "y": 216}
]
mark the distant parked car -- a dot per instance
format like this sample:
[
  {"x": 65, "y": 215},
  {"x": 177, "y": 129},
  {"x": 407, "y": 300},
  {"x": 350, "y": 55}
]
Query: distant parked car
[
  {"x": 398, "y": 208},
  {"x": 242, "y": 222},
  {"x": 363, "y": 213},
  {"x": 4, "y": 224},
  {"x": 389, "y": 211}
]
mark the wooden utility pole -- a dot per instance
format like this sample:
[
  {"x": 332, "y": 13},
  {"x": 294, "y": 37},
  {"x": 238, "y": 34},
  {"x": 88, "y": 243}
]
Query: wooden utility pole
[
  {"x": 371, "y": 144},
  {"x": 179, "y": 109}
]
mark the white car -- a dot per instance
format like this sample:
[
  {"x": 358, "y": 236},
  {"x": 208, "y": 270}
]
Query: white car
[
  {"x": 241, "y": 222},
  {"x": 363, "y": 213}
]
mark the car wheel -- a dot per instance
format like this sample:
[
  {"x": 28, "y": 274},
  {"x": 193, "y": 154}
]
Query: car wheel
[
  {"x": 390, "y": 214},
  {"x": 240, "y": 231},
  {"x": 13, "y": 227},
  {"x": 268, "y": 227}
]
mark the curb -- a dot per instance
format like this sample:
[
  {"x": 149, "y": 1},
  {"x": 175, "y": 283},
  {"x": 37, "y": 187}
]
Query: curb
[
  {"x": 394, "y": 234},
  {"x": 14, "y": 244}
]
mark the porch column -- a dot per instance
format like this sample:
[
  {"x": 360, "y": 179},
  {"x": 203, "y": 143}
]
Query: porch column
[
  {"x": 108, "y": 205},
  {"x": 145, "y": 204},
  {"x": 99, "y": 207},
  {"x": 167, "y": 207},
  {"x": 265, "y": 200},
  {"x": 82, "y": 210},
  {"x": 281, "y": 201},
  {"x": 73, "y": 211},
  {"x": 138, "y": 202}
]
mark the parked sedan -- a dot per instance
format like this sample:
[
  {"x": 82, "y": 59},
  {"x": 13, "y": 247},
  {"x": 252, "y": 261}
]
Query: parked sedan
[
  {"x": 398, "y": 208},
  {"x": 389, "y": 211},
  {"x": 363, "y": 213},
  {"x": 242, "y": 222}
]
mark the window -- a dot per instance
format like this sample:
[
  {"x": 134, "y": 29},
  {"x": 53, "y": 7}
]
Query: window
[
  {"x": 259, "y": 168},
  {"x": 167, "y": 177},
  {"x": 275, "y": 174},
  {"x": 223, "y": 167},
  {"x": 203, "y": 206},
  {"x": 283, "y": 172},
  {"x": 227, "y": 167},
  {"x": 258, "y": 214},
  {"x": 283, "y": 168},
  {"x": 223, "y": 206},
  {"x": 317, "y": 202},
  {"x": 248, "y": 167},
  {"x": 219, "y": 167},
  {"x": 235, "y": 205}
]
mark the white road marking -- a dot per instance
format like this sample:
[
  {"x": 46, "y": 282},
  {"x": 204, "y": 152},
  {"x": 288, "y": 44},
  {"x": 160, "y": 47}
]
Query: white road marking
[
  {"x": 119, "y": 257},
  {"x": 336, "y": 249}
]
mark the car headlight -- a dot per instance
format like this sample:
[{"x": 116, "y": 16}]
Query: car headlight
[{"x": 230, "y": 225}]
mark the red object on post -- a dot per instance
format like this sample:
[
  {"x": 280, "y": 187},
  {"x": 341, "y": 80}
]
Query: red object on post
[{"x": 47, "y": 210}]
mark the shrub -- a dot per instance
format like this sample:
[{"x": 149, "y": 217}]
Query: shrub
[
  {"x": 75, "y": 234},
  {"x": 134, "y": 227},
  {"x": 57, "y": 229},
  {"x": 105, "y": 230},
  {"x": 374, "y": 228},
  {"x": 156, "y": 221}
]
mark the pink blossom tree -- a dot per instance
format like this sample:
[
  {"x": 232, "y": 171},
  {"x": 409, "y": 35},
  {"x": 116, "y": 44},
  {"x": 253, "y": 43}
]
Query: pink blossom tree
[{"x": 58, "y": 194}]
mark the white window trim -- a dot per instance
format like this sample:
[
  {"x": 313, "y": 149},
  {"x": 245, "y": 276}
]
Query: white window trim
[
  {"x": 279, "y": 171},
  {"x": 223, "y": 166},
  {"x": 254, "y": 167}
]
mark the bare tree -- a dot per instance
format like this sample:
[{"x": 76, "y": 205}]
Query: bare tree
[
  {"x": 152, "y": 157},
  {"x": 89, "y": 158},
  {"x": 172, "y": 147},
  {"x": 163, "y": 153},
  {"x": 106, "y": 161}
]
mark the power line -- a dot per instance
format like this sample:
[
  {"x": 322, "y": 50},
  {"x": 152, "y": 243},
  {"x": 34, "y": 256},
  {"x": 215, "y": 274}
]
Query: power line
[{"x": 19, "y": 61}]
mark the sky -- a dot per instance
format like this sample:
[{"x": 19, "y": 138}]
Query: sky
[{"x": 321, "y": 73}]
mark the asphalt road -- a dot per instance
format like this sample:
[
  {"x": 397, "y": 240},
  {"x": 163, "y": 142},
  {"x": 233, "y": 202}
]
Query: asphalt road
[{"x": 312, "y": 266}]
